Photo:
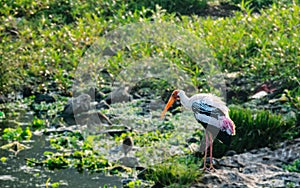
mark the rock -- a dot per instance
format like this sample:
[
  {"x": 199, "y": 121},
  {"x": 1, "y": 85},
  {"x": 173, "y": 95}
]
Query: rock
[
  {"x": 119, "y": 95},
  {"x": 27, "y": 91},
  {"x": 3, "y": 99},
  {"x": 43, "y": 98},
  {"x": 90, "y": 118},
  {"x": 129, "y": 161},
  {"x": 117, "y": 132},
  {"x": 109, "y": 52},
  {"x": 77, "y": 105},
  {"x": 192, "y": 140},
  {"x": 257, "y": 168},
  {"x": 8, "y": 178},
  {"x": 102, "y": 105},
  {"x": 230, "y": 153},
  {"x": 115, "y": 169}
]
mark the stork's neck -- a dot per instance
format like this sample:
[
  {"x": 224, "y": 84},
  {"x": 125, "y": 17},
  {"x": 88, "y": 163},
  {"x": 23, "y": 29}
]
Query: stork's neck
[{"x": 185, "y": 100}]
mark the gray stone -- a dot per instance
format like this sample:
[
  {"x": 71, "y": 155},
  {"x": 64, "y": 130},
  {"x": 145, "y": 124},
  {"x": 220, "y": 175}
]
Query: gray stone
[{"x": 256, "y": 168}]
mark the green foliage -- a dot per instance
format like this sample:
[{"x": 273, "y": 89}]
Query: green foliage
[
  {"x": 178, "y": 6},
  {"x": 3, "y": 159},
  {"x": 43, "y": 41},
  {"x": 57, "y": 162},
  {"x": 55, "y": 184},
  {"x": 2, "y": 115},
  {"x": 176, "y": 171},
  {"x": 265, "y": 42},
  {"x": 294, "y": 96},
  {"x": 133, "y": 184},
  {"x": 71, "y": 140},
  {"x": 256, "y": 129},
  {"x": 259, "y": 4},
  {"x": 18, "y": 134},
  {"x": 147, "y": 139},
  {"x": 294, "y": 167},
  {"x": 71, "y": 152},
  {"x": 79, "y": 159},
  {"x": 290, "y": 185},
  {"x": 49, "y": 109},
  {"x": 38, "y": 123}
]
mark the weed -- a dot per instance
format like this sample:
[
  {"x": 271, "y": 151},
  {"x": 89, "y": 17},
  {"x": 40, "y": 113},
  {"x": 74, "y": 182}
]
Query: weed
[
  {"x": 294, "y": 167},
  {"x": 256, "y": 129},
  {"x": 175, "y": 171},
  {"x": 18, "y": 134}
]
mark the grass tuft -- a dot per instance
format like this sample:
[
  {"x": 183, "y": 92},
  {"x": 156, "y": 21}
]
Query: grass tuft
[
  {"x": 175, "y": 172},
  {"x": 256, "y": 129}
]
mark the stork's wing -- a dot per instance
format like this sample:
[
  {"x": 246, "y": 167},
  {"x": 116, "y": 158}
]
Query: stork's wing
[
  {"x": 211, "y": 101},
  {"x": 199, "y": 107},
  {"x": 208, "y": 116}
]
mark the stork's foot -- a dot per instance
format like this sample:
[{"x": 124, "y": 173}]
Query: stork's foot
[{"x": 211, "y": 168}]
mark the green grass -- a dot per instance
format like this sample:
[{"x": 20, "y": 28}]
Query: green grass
[
  {"x": 42, "y": 42},
  {"x": 257, "y": 5},
  {"x": 175, "y": 172},
  {"x": 257, "y": 129}
]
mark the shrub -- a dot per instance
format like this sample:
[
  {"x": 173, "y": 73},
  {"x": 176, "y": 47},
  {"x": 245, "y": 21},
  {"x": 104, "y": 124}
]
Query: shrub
[
  {"x": 256, "y": 129},
  {"x": 175, "y": 171}
]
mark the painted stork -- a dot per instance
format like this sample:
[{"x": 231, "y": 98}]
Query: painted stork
[{"x": 211, "y": 112}]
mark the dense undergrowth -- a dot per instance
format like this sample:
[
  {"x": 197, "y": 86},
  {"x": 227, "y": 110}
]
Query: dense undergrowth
[
  {"x": 42, "y": 42},
  {"x": 257, "y": 129}
]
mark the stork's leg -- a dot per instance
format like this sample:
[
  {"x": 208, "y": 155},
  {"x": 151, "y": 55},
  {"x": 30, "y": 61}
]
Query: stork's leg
[
  {"x": 205, "y": 151},
  {"x": 211, "y": 167}
]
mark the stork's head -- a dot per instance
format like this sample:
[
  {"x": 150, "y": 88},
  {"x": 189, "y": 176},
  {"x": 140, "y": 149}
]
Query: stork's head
[{"x": 172, "y": 99}]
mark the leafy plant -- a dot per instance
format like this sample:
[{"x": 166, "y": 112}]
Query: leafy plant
[
  {"x": 67, "y": 141},
  {"x": 259, "y": 4},
  {"x": 38, "y": 123},
  {"x": 17, "y": 134},
  {"x": 294, "y": 167}
]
